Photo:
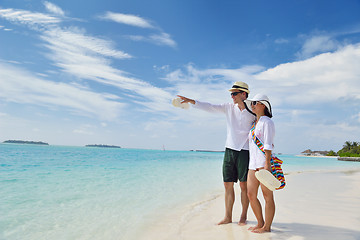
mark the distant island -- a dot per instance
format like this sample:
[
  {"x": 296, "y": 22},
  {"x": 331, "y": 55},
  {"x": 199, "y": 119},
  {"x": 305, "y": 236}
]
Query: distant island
[
  {"x": 25, "y": 142},
  {"x": 315, "y": 153},
  {"x": 102, "y": 146},
  {"x": 349, "y": 152},
  {"x": 205, "y": 151}
]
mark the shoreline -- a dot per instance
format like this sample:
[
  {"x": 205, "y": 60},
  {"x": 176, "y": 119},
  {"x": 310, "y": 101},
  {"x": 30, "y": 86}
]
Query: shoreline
[
  {"x": 349, "y": 159},
  {"x": 310, "y": 156},
  {"x": 301, "y": 212}
]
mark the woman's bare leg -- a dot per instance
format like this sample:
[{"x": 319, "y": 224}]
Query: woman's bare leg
[
  {"x": 253, "y": 187},
  {"x": 269, "y": 210}
]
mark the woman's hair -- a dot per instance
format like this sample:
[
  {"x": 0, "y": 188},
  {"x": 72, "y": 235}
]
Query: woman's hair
[{"x": 267, "y": 113}]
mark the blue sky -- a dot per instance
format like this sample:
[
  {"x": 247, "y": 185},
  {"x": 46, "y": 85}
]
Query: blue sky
[{"x": 104, "y": 72}]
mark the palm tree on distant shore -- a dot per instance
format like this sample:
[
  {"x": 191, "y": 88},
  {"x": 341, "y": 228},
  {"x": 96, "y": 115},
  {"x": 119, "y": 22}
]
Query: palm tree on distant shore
[
  {"x": 350, "y": 149},
  {"x": 347, "y": 145}
]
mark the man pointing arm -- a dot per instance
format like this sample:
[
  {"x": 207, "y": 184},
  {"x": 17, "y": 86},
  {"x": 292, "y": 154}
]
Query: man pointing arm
[{"x": 236, "y": 158}]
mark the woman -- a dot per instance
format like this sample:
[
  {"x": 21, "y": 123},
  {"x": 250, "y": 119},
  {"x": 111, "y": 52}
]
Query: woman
[{"x": 264, "y": 130}]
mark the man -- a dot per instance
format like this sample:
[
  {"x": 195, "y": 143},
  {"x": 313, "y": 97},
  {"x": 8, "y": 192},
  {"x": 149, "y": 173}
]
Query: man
[{"x": 236, "y": 159}]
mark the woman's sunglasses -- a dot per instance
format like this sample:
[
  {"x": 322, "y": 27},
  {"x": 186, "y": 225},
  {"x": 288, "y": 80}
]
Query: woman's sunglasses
[{"x": 255, "y": 102}]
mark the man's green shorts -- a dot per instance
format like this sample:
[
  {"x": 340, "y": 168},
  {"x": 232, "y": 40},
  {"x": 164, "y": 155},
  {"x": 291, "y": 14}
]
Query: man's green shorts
[{"x": 236, "y": 165}]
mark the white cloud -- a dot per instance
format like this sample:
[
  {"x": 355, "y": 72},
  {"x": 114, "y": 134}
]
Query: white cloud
[
  {"x": 85, "y": 129},
  {"x": 20, "y": 86},
  {"x": 83, "y": 132},
  {"x": 209, "y": 84},
  {"x": 306, "y": 95},
  {"x": 54, "y": 8},
  {"x": 281, "y": 41},
  {"x": 194, "y": 75},
  {"x": 137, "y": 38},
  {"x": 85, "y": 57},
  {"x": 27, "y": 17},
  {"x": 324, "y": 79},
  {"x": 158, "y": 39},
  {"x": 318, "y": 44},
  {"x": 127, "y": 19},
  {"x": 88, "y": 57},
  {"x": 164, "y": 68},
  {"x": 73, "y": 40},
  {"x": 327, "y": 77},
  {"x": 321, "y": 42},
  {"x": 163, "y": 39},
  {"x": 155, "y": 125}
]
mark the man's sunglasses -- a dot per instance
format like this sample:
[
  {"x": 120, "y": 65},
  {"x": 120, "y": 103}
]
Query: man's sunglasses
[{"x": 235, "y": 93}]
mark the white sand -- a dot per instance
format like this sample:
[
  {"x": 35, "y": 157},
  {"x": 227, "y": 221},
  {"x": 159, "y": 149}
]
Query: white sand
[{"x": 322, "y": 205}]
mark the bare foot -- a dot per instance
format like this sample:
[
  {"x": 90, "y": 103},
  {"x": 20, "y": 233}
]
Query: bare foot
[
  {"x": 242, "y": 222},
  {"x": 254, "y": 228},
  {"x": 261, "y": 230},
  {"x": 251, "y": 228},
  {"x": 225, "y": 221}
]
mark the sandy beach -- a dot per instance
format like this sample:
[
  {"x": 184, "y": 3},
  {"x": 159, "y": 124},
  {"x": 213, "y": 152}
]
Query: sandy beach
[{"x": 314, "y": 205}]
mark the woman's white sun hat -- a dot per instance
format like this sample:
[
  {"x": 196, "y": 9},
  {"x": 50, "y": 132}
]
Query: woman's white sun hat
[
  {"x": 260, "y": 98},
  {"x": 267, "y": 179}
]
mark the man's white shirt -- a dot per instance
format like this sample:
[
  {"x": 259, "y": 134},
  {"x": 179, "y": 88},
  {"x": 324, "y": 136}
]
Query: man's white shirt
[{"x": 238, "y": 121}]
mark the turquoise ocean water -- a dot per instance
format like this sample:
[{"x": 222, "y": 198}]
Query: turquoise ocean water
[{"x": 58, "y": 192}]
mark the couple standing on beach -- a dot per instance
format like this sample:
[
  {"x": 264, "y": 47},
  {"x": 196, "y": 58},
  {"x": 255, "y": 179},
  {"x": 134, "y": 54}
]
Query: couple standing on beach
[{"x": 240, "y": 163}]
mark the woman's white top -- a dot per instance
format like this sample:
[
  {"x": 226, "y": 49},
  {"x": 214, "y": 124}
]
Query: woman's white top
[
  {"x": 265, "y": 131},
  {"x": 238, "y": 121}
]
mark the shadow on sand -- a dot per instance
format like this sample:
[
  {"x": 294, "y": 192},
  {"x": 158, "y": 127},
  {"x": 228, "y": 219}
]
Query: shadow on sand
[{"x": 300, "y": 231}]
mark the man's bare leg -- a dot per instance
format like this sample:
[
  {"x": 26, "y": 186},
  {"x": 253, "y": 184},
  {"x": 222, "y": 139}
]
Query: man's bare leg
[
  {"x": 244, "y": 203},
  {"x": 229, "y": 202}
]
